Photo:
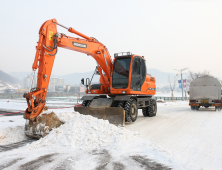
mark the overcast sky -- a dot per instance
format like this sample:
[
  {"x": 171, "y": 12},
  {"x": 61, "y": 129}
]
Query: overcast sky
[{"x": 171, "y": 34}]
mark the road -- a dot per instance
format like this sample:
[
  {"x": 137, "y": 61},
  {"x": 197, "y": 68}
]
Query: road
[{"x": 193, "y": 137}]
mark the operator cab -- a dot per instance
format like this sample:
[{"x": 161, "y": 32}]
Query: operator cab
[
  {"x": 129, "y": 73},
  {"x": 123, "y": 69}
]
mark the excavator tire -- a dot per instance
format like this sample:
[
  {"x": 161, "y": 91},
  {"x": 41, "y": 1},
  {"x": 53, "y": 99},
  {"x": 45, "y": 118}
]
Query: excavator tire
[
  {"x": 121, "y": 104},
  {"x": 131, "y": 110},
  {"x": 88, "y": 103},
  {"x": 84, "y": 103},
  {"x": 151, "y": 110}
]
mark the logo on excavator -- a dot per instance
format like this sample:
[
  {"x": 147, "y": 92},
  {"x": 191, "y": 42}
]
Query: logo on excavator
[
  {"x": 80, "y": 45},
  {"x": 50, "y": 35}
]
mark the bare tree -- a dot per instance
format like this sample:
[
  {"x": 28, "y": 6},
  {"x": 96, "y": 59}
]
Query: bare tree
[
  {"x": 172, "y": 84},
  {"x": 194, "y": 75}
]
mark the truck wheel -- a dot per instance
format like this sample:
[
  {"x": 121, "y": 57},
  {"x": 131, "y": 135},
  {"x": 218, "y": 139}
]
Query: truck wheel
[
  {"x": 131, "y": 110},
  {"x": 192, "y": 107},
  {"x": 150, "y": 110},
  {"x": 197, "y": 107},
  {"x": 217, "y": 108}
]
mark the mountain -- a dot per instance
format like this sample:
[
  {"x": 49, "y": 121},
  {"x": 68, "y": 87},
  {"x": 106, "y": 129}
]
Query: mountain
[
  {"x": 6, "y": 78},
  {"x": 20, "y": 75},
  {"x": 161, "y": 77},
  {"x": 23, "y": 74},
  {"x": 75, "y": 78}
]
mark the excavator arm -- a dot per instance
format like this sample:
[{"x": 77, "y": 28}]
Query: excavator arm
[{"x": 49, "y": 41}]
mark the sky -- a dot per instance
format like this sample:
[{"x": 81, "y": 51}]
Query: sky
[{"x": 171, "y": 34}]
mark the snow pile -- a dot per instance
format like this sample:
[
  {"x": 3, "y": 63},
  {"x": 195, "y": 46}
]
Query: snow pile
[
  {"x": 12, "y": 135},
  {"x": 84, "y": 132}
]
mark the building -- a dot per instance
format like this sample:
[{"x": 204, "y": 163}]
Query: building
[
  {"x": 82, "y": 89},
  {"x": 27, "y": 81},
  {"x": 54, "y": 81},
  {"x": 60, "y": 81},
  {"x": 60, "y": 88}
]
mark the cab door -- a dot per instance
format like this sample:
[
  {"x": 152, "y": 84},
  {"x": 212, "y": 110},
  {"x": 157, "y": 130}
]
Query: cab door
[{"x": 138, "y": 73}]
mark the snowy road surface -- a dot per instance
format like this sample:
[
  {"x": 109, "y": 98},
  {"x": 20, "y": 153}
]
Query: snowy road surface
[
  {"x": 178, "y": 138},
  {"x": 193, "y": 138}
]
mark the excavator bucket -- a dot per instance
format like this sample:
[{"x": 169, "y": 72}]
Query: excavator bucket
[
  {"x": 45, "y": 122},
  {"x": 115, "y": 115}
]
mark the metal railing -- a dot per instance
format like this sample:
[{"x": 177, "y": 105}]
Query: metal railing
[{"x": 171, "y": 98}]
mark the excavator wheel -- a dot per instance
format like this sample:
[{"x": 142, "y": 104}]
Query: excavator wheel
[
  {"x": 88, "y": 103},
  {"x": 131, "y": 110},
  {"x": 121, "y": 104},
  {"x": 151, "y": 110},
  {"x": 84, "y": 102}
]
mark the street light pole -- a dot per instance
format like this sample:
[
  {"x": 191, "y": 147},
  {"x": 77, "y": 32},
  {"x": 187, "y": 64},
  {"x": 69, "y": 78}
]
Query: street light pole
[
  {"x": 182, "y": 84},
  {"x": 181, "y": 73}
]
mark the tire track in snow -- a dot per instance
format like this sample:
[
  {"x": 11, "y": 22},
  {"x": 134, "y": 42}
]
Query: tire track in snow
[
  {"x": 40, "y": 161},
  {"x": 16, "y": 145}
]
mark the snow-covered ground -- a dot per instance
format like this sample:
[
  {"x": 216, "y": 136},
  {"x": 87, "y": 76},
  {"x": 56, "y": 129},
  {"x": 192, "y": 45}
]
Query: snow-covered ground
[
  {"x": 178, "y": 137},
  {"x": 175, "y": 94},
  {"x": 21, "y": 105}
]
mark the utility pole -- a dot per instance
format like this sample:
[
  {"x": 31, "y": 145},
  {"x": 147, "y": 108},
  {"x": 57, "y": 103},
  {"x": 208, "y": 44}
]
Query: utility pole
[
  {"x": 181, "y": 73},
  {"x": 182, "y": 84}
]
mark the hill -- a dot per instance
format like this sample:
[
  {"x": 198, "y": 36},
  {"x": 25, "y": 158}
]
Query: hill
[
  {"x": 6, "y": 78},
  {"x": 75, "y": 78},
  {"x": 20, "y": 75},
  {"x": 161, "y": 77}
]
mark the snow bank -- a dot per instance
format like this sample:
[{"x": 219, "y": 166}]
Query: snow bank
[
  {"x": 83, "y": 132},
  {"x": 12, "y": 135}
]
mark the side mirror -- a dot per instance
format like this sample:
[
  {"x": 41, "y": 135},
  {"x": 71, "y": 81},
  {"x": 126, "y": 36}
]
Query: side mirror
[{"x": 82, "y": 81}]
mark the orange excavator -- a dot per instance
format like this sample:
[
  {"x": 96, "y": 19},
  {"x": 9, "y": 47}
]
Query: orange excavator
[{"x": 124, "y": 84}]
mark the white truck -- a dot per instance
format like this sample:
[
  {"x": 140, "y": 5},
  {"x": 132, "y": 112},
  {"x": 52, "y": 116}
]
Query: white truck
[{"x": 205, "y": 91}]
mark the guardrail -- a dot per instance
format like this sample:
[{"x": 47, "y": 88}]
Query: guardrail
[
  {"x": 74, "y": 97},
  {"x": 49, "y": 95},
  {"x": 171, "y": 98}
]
